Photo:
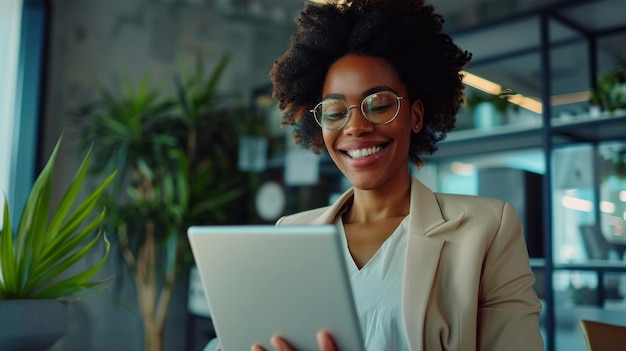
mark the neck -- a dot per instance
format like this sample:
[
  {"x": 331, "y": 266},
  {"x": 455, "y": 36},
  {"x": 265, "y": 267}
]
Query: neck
[{"x": 380, "y": 204}]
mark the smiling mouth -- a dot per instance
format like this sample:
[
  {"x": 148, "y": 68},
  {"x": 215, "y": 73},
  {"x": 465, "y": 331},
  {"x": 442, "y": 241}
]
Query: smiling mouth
[{"x": 361, "y": 153}]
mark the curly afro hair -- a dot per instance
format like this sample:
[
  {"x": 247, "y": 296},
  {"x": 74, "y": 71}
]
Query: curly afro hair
[{"x": 405, "y": 33}]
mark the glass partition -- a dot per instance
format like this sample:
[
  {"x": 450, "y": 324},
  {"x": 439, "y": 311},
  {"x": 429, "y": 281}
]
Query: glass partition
[
  {"x": 612, "y": 198},
  {"x": 590, "y": 206}
]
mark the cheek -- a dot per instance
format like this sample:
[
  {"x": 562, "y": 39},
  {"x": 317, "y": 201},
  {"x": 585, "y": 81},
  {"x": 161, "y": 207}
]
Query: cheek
[
  {"x": 329, "y": 138},
  {"x": 406, "y": 131}
]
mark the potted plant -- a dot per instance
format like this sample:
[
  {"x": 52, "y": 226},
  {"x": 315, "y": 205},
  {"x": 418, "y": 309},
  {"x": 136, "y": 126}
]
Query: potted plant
[
  {"x": 176, "y": 154},
  {"x": 488, "y": 110},
  {"x": 610, "y": 90},
  {"x": 37, "y": 259}
]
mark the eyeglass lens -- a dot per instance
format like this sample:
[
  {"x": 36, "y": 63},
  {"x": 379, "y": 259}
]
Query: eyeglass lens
[{"x": 378, "y": 108}]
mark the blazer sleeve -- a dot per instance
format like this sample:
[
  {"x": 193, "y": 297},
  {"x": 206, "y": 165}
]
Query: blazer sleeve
[{"x": 508, "y": 307}]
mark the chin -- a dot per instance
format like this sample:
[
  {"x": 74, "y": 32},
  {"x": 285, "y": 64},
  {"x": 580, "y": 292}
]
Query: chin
[{"x": 363, "y": 182}]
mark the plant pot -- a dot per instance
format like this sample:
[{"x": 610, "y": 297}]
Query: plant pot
[
  {"x": 595, "y": 111},
  {"x": 486, "y": 116},
  {"x": 31, "y": 325}
]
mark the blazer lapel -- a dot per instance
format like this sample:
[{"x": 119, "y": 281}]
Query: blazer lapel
[
  {"x": 422, "y": 259},
  {"x": 330, "y": 215}
]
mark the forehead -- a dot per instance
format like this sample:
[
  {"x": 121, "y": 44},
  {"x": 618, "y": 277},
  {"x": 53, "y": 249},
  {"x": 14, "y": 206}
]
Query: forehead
[{"x": 355, "y": 74}]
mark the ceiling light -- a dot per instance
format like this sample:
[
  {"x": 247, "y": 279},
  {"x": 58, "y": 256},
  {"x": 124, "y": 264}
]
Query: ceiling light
[
  {"x": 481, "y": 83},
  {"x": 492, "y": 88}
]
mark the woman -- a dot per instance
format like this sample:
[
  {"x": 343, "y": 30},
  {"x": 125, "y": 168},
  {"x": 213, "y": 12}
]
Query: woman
[{"x": 377, "y": 84}]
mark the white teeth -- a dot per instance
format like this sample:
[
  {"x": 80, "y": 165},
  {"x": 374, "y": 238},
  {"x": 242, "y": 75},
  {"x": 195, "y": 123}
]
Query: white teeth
[{"x": 364, "y": 152}]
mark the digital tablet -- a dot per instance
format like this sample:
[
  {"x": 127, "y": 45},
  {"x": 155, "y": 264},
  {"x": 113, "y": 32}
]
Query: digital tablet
[{"x": 265, "y": 280}]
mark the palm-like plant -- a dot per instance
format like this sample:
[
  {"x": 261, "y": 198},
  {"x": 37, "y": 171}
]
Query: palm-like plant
[
  {"x": 48, "y": 243},
  {"x": 176, "y": 156},
  {"x": 207, "y": 123}
]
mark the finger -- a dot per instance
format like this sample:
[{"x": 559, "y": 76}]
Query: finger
[
  {"x": 257, "y": 347},
  {"x": 326, "y": 342},
  {"x": 281, "y": 344}
]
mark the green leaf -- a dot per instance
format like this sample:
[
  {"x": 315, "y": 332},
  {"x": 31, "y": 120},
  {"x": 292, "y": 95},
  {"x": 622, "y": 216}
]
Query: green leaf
[
  {"x": 8, "y": 279},
  {"x": 77, "y": 282},
  {"x": 30, "y": 236},
  {"x": 80, "y": 214},
  {"x": 216, "y": 201},
  {"x": 217, "y": 75},
  {"x": 67, "y": 201},
  {"x": 62, "y": 248},
  {"x": 67, "y": 262}
]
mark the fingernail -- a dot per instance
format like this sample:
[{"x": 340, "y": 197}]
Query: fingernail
[
  {"x": 322, "y": 341},
  {"x": 278, "y": 345}
]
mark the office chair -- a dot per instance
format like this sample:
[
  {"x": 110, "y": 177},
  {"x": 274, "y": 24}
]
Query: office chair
[{"x": 604, "y": 337}]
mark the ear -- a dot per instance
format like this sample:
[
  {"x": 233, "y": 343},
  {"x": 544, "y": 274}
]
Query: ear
[{"x": 417, "y": 116}]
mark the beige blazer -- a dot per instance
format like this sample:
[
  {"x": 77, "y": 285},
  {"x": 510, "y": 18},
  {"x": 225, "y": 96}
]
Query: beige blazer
[{"x": 467, "y": 282}]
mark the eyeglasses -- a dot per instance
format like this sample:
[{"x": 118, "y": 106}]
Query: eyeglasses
[{"x": 378, "y": 108}]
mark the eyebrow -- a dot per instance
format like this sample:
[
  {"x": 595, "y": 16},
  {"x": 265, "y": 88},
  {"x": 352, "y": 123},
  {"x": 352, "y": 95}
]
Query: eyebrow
[{"x": 365, "y": 93}]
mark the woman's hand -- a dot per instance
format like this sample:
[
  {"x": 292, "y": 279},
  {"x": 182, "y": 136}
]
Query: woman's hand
[{"x": 324, "y": 341}]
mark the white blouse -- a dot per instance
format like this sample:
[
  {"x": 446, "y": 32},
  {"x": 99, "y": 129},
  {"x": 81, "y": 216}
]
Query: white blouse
[{"x": 377, "y": 291}]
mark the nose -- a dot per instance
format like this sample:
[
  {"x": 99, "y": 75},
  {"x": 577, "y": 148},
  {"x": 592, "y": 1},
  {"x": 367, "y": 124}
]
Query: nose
[{"x": 358, "y": 124}]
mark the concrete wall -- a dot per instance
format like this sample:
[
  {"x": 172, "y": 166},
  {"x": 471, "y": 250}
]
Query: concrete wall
[{"x": 100, "y": 42}]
